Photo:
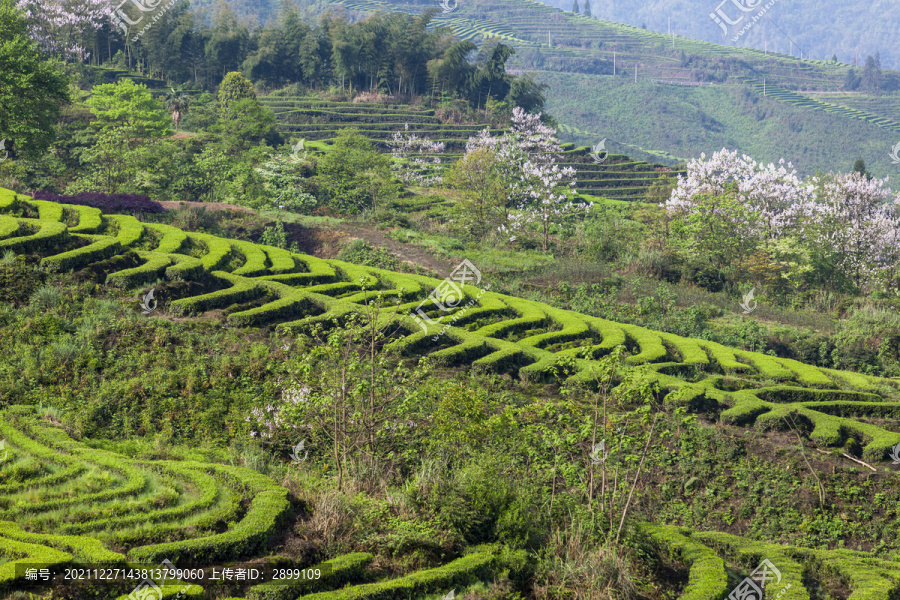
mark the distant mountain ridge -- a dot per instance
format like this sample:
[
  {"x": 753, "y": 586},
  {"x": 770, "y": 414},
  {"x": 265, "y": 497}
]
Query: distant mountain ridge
[{"x": 822, "y": 29}]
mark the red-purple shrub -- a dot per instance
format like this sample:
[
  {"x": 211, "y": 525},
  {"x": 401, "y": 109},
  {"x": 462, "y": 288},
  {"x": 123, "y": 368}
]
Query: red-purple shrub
[{"x": 108, "y": 203}]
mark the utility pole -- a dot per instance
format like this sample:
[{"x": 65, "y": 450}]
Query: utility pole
[{"x": 764, "y": 86}]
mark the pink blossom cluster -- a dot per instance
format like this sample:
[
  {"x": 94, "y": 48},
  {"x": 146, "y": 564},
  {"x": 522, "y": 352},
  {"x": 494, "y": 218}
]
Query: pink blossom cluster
[
  {"x": 769, "y": 192},
  {"x": 62, "y": 27},
  {"x": 853, "y": 220},
  {"x": 418, "y": 158}
]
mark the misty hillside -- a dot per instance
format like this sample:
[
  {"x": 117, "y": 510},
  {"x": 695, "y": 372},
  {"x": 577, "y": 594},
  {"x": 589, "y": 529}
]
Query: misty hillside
[{"x": 820, "y": 29}]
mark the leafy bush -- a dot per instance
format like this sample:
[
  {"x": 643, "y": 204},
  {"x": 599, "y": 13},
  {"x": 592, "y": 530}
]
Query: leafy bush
[{"x": 360, "y": 252}]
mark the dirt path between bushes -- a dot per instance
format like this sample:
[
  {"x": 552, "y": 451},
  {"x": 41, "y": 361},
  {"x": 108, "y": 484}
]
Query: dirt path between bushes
[{"x": 325, "y": 242}]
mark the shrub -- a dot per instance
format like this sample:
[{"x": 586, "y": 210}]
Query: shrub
[
  {"x": 250, "y": 535},
  {"x": 707, "y": 578},
  {"x": 49, "y": 235},
  {"x": 101, "y": 248},
  {"x": 464, "y": 571},
  {"x": 335, "y": 572},
  {"x": 150, "y": 271},
  {"x": 241, "y": 290},
  {"x": 361, "y": 252}
]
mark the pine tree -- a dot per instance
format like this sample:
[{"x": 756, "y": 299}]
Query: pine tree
[
  {"x": 575, "y": 6},
  {"x": 587, "y": 8},
  {"x": 859, "y": 166},
  {"x": 834, "y": 58}
]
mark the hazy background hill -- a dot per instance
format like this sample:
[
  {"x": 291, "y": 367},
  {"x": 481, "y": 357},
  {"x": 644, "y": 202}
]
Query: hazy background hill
[{"x": 822, "y": 29}]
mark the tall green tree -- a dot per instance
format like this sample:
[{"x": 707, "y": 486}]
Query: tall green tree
[
  {"x": 859, "y": 166},
  {"x": 234, "y": 87},
  {"x": 32, "y": 89},
  {"x": 587, "y": 7},
  {"x": 349, "y": 169},
  {"x": 227, "y": 42},
  {"x": 478, "y": 176},
  {"x": 131, "y": 106},
  {"x": 575, "y": 6}
]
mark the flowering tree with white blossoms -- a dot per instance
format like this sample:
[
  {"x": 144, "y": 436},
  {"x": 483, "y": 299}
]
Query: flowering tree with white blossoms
[
  {"x": 840, "y": 225},
  {"x": 853, "y": 225},
  {"x": 759, "y": 200},
  {"x": 529, "y": 154},
  {"x": 417, "y": 159},
  {"x": 63, "y": 28}
]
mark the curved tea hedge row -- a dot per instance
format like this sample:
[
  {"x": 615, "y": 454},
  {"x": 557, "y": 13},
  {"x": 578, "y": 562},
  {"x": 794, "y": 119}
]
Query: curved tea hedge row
[
  {"x": 140, "y": 505},
  {"x": 265, "y": 286},
  {"x": 139, "y": 501},
  {"x": 707, "y": 554}
]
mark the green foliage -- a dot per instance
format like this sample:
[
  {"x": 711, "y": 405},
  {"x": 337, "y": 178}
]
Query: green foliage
[
  {"x": 361, "y": 252},
  {"x": 32, "y": 88},
  {"x": 342, "y": 171},
  {"x": 128, "y": 106},
  {"x": 233, "y": 88},
  {"x": 335, "y": 572},
  {"x": 707, "y": 577},
  {"x": 268, "y": 511},
  {"x": 477, "y": 566},
  {"x": 100, "y": 248}
]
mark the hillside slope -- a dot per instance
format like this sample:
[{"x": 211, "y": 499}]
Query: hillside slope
[
  {"x": 269, "y": 286},
  {"x": 677, "y": 96}
]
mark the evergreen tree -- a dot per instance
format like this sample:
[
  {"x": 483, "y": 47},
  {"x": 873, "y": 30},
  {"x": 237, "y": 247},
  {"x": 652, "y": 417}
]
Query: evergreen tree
[
  {"x": 834, "y": 58},
  {"x": 233, "y": 88},
  {"x": 859, "y": 166},
  {"x": 851, "y": 82},
  {"x": 587, "y": 7},
  {"x": 575, "y": 6},
  {"x": 871, "y": 75}
]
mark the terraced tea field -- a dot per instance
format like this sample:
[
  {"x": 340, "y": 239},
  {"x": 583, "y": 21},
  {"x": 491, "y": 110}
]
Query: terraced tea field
[
  {"x": 64, "y": 503},
  {"x": 318, "y": 120},
  {"x": 61, "y": 500},
  {"x": 825, "y": 105},
  {"x": 580, "y": 40}
]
